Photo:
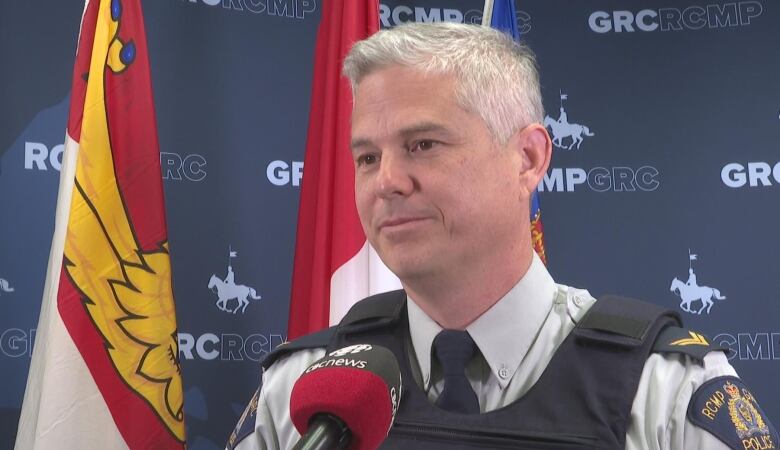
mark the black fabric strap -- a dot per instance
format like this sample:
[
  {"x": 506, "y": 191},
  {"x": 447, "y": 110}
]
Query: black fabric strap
[
  {"x": 384, "y": 306},
  {"x": 623, "y": 316}
]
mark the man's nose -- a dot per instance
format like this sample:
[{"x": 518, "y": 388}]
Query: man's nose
[{"x": 394, "y": 177}]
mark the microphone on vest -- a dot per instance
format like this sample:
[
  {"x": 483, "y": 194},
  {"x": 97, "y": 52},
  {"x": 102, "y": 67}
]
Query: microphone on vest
[{"x": 348, "y": 399}]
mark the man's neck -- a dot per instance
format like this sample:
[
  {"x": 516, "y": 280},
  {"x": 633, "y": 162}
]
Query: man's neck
[{"x": 455, "y": 300}]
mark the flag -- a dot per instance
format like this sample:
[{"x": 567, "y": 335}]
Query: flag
[
  {"x": 105, "y": 371},
  {"x": 501, "y": 15},
  {"x": 334, "y": 265}
]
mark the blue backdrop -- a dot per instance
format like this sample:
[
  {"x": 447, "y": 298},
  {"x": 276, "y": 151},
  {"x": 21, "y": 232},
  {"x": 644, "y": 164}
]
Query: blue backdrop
[{"x": 671, "y": 113}]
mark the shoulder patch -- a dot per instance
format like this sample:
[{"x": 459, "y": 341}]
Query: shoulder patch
[
  {"x": 246, "y": 423},
  {"x": 682, "y": 340},
  {"x": 725, "y": 407}
]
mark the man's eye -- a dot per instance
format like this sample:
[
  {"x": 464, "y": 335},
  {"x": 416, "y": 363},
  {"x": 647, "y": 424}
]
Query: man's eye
[
  {"x": 366, "y": 159},
  {"x": 422, "y": 145}
]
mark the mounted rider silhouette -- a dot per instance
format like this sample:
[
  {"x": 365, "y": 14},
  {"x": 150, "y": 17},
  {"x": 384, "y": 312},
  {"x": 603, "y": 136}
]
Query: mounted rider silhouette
[
  {"x": 691, "y": 278},
  {"x": 230, "y": 278},
  {"x": 563, "y": 119}
]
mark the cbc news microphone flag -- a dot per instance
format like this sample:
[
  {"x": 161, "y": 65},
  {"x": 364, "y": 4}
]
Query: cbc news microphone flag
[
  {"x": 334, "y": 265},
  {"x": 501, "y": 15},
  {"x": 105, "y": 372}
]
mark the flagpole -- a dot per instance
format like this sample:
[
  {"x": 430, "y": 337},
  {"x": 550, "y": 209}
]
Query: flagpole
[{"x": 487, "y": 13}]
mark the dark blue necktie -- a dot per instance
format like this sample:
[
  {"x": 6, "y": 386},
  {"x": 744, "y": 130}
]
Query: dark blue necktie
[{"x": 454, "y": 349}]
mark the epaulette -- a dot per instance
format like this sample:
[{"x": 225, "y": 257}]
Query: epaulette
[
  {"x": 621, "y": 321},
  {"x": 318, "y": 339},
  {"x": 682, "y": 340}
]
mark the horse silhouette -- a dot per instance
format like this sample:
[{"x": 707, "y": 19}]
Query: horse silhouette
[
  {"x": 690, "y": 294},
  {"x": 564, "y": 130},
  {"x": 229, "y": 291}
]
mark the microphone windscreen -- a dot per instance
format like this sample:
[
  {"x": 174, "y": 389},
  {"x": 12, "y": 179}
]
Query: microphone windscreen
[{"x": 359, "y": 384}]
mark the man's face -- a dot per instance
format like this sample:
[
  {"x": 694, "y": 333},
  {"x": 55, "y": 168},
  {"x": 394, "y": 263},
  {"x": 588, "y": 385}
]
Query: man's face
[{"x": 435, "y": 194}]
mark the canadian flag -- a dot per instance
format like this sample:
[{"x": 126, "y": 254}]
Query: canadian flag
[{"x": 334, "y": 265}]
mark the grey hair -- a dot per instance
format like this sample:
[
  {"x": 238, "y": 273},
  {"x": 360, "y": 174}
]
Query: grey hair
[{"x": 496, "y": 77}]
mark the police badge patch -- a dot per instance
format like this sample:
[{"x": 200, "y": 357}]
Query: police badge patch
[
  {"x": 246, "y": 424},
  {"x": 725, "y": 407}
]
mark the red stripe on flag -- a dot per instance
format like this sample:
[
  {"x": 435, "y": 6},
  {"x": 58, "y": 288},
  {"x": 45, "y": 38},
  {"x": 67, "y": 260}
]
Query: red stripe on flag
[
  {"x": 329, "y": 231},
  {"x": 133, "y": 131},
  {"x": 81, "y": 70}
]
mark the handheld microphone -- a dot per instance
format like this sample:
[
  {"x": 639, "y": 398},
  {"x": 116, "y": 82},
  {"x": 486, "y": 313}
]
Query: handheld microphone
[{"x": 347, "y": 400}]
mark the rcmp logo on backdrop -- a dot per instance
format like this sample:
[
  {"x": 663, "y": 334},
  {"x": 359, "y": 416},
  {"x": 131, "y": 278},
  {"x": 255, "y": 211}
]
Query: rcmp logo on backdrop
[
  {"x": 750, "y": 345},
  {"x": 228, "y": 290},
  {"x": 751, "y": 173},
  {"x": 290, "y": 9},
  {"x": 174, "y": 166},
  {"x": 691, "y": 293},
  {"x": 692, "y": 17},
  {"x": 394, "y": 15},
  {"x": 39, "y": 156},
  {"x": 573, "y": 138},
  {"x": 178, "y": 167},
  {"x": 5, "y": 286}
]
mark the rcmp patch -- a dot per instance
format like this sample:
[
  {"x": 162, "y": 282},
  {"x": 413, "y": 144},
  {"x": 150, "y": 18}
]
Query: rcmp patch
[
  {"x": 725, "y": 407},
  {"x": 246, "y": 423}
]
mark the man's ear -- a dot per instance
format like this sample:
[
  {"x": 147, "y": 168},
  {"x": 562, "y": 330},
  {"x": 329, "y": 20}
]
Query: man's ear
[{"x": 535, "y": 147}]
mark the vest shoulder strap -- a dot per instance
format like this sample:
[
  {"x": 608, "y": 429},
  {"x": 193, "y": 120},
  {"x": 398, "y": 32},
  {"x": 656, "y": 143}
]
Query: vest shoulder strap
[
  {"x": 682, "y": 340},
  {"x": 622, "y": 321},
  {"x": 318, "y": 339},
  {"x": 625, "y": 321},
  {"x": 371, "y": 312}
]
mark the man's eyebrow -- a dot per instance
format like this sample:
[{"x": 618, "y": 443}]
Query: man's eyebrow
[{"x": 423, "y": 127}]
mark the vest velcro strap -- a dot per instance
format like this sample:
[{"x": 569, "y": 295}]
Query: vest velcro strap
[{"x": 620, "y": 320}]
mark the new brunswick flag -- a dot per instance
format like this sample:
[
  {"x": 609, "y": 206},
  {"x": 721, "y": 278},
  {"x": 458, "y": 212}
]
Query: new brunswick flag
[{"x": 105, "y": 371}]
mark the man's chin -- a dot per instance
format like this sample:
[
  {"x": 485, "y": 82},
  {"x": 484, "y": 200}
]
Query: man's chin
[{"x": 409, "y": 269}]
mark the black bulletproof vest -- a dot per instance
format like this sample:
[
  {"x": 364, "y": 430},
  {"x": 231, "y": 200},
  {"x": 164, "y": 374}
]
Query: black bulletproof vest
[{"x": 582, "y": 400}]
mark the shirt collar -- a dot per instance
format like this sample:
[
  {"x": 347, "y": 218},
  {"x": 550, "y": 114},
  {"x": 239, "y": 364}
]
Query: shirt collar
[{"x": 530, "y": 299}]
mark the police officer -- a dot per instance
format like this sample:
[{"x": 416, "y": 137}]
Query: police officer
[{"x": 448, "y": 151}]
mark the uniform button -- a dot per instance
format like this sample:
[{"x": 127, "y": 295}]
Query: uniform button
[
  {"x": 577, "y": 300},
  {"x": 503, "y": 372}
]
